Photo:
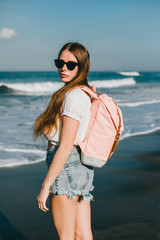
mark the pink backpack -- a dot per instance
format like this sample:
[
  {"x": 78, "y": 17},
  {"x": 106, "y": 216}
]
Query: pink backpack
[{"x": 103, "y": 132}]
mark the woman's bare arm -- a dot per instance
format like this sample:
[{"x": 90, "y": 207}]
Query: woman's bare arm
[{"x": 69, "y": 131}]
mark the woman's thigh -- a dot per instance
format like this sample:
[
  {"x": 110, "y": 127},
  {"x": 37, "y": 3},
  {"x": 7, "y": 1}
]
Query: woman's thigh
[
  {"x": 83, "y": 220},
  {"x": 64, "y": 215}
]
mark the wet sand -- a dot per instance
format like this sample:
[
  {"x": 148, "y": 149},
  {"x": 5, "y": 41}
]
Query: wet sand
[{"x": 126, "y": 196}]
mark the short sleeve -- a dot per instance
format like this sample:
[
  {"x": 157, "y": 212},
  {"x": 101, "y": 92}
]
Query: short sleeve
[{"x": 74, "y": 104}]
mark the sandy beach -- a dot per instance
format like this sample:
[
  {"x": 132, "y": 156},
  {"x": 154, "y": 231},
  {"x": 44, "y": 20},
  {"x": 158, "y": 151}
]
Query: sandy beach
[{"x": 126, "y": 196}]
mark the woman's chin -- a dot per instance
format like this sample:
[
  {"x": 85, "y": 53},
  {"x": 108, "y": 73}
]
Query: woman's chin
[{"x": 65, "y": 80}]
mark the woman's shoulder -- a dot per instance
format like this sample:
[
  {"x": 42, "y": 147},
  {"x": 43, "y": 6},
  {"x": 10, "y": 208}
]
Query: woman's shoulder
[
  {"x": 76, "y": 103},
  {"x": 77, "y": 94}
]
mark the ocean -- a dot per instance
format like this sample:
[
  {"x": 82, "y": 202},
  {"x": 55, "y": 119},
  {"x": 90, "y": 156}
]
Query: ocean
[{"x": 24, "y": 95}]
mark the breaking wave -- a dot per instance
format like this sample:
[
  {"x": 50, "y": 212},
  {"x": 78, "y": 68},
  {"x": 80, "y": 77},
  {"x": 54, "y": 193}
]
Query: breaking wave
[
  {"x": 45, "y": 88},
  {"x": 129, "y": 73}
]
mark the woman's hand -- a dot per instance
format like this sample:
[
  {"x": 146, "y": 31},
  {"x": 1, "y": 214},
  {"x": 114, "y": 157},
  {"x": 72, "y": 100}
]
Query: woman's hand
[{"x": 42, "y": 198}]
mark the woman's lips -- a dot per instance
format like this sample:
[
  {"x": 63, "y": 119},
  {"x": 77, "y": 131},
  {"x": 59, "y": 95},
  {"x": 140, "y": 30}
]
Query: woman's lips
[{"x": 63, "y": 75}]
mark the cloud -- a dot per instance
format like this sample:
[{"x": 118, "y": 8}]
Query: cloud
[{"x": 7, "y": 33}]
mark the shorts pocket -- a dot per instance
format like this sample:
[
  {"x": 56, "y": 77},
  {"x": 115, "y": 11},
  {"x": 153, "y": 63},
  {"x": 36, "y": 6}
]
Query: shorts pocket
[{"x": 78, "y": 177}]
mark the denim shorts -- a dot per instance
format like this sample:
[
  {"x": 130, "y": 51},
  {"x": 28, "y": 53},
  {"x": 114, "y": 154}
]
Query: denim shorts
[{"x": 75, "y": 178}]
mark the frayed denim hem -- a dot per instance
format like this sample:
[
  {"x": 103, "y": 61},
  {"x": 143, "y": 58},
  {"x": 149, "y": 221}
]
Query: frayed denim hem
[{"x": 70, "y": 194}]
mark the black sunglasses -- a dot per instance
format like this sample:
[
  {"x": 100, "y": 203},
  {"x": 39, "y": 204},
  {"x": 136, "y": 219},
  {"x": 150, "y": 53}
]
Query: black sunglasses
[{"x": 70, "y": 65}]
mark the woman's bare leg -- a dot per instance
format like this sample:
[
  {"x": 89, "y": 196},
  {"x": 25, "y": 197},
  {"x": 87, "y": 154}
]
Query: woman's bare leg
[
  {"x": 64, "y": 215},
  {"x": 83, "y": 221}
]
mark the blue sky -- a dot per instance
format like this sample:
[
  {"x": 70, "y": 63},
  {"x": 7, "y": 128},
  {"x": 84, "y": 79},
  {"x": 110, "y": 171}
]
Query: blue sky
[{"x": 119, "y": 34}]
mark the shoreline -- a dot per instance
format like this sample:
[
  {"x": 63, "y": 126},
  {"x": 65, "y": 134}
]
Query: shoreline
[{"x": 126, "y": 196}]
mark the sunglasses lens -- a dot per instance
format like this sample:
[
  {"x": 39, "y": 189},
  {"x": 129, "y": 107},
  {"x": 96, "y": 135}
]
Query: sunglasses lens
[
  {"x": 59, "y": 63},
  {"x": 71, "y": 65}
]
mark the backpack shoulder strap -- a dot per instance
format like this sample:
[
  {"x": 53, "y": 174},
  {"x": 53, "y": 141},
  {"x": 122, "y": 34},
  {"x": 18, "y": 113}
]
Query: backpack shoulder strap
[{"x": 88, "y": 90}]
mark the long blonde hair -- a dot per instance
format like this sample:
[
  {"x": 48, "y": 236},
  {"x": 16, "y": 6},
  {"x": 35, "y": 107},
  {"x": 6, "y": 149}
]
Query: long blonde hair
[{"x": 46, "y": 121}]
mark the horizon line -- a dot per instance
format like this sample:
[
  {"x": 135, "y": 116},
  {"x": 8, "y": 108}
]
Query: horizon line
[{"x": 89, "y": 71}]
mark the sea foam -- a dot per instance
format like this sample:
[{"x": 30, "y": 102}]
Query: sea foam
[
  {"x": 129, "y": 73},
  {"x": 137, "y": 104},
  {"x": 19, "y": 161},
  {"x": 14, "y": 162},
  {"x": 113, "y": 83},
  {"x": 6, "y": 149},
  {"x": 128, "y": 134}
]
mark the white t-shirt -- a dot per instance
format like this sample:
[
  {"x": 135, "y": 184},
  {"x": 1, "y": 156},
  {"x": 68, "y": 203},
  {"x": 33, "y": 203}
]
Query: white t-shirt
[{"x": 76, "y": 104}]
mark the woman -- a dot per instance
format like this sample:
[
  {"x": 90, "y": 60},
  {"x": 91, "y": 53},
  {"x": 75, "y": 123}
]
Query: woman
[{"x": 68, "y": 181}]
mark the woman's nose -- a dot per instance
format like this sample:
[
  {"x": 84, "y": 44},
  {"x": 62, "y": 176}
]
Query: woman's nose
[{"x": 64, "y": 67}]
